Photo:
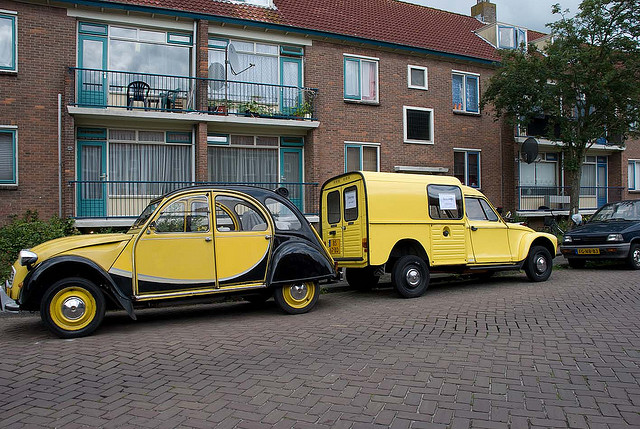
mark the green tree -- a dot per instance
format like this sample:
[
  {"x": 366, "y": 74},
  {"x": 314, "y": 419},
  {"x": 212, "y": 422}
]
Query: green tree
[{"x": 586, "y": 80}]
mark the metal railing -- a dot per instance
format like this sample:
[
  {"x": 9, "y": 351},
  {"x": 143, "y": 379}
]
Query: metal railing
[
  {"x": 557, "y": 197},
  {"x": 167, "y": 93},
  {"x": 126, "y": 199}
]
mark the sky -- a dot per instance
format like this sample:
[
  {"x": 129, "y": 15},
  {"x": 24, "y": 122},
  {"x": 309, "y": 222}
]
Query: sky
[{"x": 532, "y": 14}]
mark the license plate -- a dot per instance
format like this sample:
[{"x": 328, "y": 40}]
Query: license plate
[
  {"x": 334, "y": 246},
  {"x": 588, "y": 251}
]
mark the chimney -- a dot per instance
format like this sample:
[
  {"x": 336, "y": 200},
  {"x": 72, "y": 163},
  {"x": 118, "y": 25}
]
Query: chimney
[{"x": 485, "y": 11}]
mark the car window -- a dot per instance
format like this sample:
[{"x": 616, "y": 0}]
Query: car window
[
  {"x": 445, "y": 202},
  {"x": 333, "y": 207},
  {"x": 284, "y": 218},
  {"x": 235, "y": 214},
  {"x": 488, "y": 211},
  {"x": 624, "y": 210},
  {"x": 188, "y": 214},
  {"x": 350, "y": 204},
  {"x": 473, "y": 209}
]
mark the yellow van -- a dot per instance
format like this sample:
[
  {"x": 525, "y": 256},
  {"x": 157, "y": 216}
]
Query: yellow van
[{"x": 410, "y": 225}]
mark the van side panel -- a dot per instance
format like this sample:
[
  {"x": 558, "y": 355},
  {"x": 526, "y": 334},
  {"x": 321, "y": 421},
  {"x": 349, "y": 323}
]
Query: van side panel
[
  {"x": 449, "y": 249},
  {"x": 385, "y": 236}
]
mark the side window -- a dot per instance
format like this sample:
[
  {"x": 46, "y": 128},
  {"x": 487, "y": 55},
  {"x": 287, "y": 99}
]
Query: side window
[
  {"x": 488, "y": 211},
  {"x": 333, "y": 207},
  {"x": 235, "y": 214},
  {"x": 189, "y": 214},
  {"x": 445, "y": 202},
  {"x": 350, "y": 203},
  {"x": 473, "y": 209},
  {"x": 285, "y": 219}
]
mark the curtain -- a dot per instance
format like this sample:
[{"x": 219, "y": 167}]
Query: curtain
[
  {"x": 353, "y": 158},
  {"x": 369, "y": 158},
  {"x": 132, "y": 162},
  {"x": 457, "y": 88},
  {"x": 243, "y": 165},
  {"x": 6, "y": 157},
  {"x": 369, "y": 86},
  {"x": 351, "y": 78},
  {"x": 588, "y": 179},
  {"x": 472, "y": 94},
  {"x": 6, "y": 42}
]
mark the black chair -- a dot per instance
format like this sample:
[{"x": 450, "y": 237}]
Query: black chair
[{"x": 138, "y": 91}]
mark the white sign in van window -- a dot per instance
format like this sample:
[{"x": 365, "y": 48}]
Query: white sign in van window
[
  {"x": 447, "y": 201},
  {"x": 350, "y": 200}
]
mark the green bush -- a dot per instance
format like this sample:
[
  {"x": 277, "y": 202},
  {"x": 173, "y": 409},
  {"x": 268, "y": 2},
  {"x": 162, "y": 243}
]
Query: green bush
[{"x": 26, "y": 232}]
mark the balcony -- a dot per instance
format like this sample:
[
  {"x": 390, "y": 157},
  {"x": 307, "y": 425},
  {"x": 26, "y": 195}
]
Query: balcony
[
  {"x": 123, "y": 201},
  {"x": 144, "y": 92},
  {"x": 531, "y": 198}
]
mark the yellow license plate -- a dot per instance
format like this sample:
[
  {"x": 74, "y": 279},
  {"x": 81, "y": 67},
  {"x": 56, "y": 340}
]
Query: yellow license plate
[
  {"x": 334, "y": 246},
  {"x": 588, "y": 251}
]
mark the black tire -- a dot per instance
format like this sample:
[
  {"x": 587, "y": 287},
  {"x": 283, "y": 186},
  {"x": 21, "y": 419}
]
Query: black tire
[
  {"x": 633, "y": 260},
  {"x": 361, "y": 278},
  {"x": 297, "y": 298},
  {"x": 539, "y": 264},
  {"x": 410, "y": 276},
  {"x": 577, "y": 263},
  {"x": 72, "y": 307}
]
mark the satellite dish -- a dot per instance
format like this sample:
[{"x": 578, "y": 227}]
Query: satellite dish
[
  {"x": 216, "y": 71},
  {"x": 234, "y": 61},
  {"x": 529, "y": 150}
]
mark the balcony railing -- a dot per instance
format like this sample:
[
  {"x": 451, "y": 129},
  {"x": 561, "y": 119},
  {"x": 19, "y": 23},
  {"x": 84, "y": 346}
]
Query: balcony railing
[
  {"x": 557, "y": 197},
  {"x": 165, "y": 93},
  {"x": 126, "y": 199}
]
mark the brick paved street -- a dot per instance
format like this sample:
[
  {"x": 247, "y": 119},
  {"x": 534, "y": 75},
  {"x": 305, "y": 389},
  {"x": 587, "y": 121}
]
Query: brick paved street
[{"x": 501, "y": 353}]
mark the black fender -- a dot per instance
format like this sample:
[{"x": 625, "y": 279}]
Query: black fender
[
  {"x": 32, "y": 281},
  {"x": 296, "y": 260}
]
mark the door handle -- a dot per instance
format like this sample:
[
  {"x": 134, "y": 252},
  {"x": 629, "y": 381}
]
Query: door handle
[
  {"x": 344, "y": 228},
  {"x": 332, "y": 233},
  {"x": 474, "y": 228},
  {"x": 267, "y": 237},
  {"x": 207, "y": 239}
]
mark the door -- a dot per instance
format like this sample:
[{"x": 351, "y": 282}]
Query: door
[
  {"x": 175, "y": 254},
  {"x": 344, "y": 220},
  {"x": 291, "y": 174},
  {"x": 448, "y": 233},
  {"x": 92, "y": 83},
  {"x": 489, "y": 235},
  {"x": 92, "y": 172},
  {"x": 291, "y": 80},
  {"x": 601, "y": 181},
  {"x": 243, "y": 236}
]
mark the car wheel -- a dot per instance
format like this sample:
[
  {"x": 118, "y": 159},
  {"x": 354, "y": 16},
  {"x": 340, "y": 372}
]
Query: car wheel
[
  {"x": 634, "y": 256},
  {"x": 577, "y": 263},
  {"x": 72, "y": 307},
  {"x": 538, "y": 265},
  {"x": 410, "y": 276},
  {"x": 362, "y": 278},
  {"x": 297, "y": 298}
]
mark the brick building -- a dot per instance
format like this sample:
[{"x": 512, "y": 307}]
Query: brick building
[{"x": 106, "y": 104}]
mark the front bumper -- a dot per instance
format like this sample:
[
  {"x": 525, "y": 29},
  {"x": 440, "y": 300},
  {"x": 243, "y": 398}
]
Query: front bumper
[
  {"x": 6, "y": 303},
  {"x": 605, "y": 251}
]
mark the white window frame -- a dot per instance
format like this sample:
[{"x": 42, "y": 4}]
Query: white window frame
[
  {"x": 360, "y": 58},
  {"x": 633, "y": 175},
  {"x": 517, "y": 32},
  {"x": 14, "y": 131},
  {"x": 431, "y": 122},
  {"x": 13, "y": 16},
  {"x": 426, "y": 77},
  {"x": 466, "y": 164},
  {"x": 361, "y": 145},
  {"x": 465, "y": 75}
]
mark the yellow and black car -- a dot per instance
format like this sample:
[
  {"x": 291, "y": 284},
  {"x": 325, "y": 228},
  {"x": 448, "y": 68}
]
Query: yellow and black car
[{"x": 196, "y": 241}]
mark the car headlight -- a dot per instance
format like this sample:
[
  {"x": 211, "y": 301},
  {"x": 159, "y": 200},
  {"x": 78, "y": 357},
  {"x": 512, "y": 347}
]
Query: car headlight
[
  {"x": 614, "y": 237},
  {"x": 27, "y": 257},
  {"x": 567, "y": 239}
]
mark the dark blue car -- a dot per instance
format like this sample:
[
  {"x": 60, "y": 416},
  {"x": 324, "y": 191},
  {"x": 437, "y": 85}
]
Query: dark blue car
[{"x": 613, "y": 232}]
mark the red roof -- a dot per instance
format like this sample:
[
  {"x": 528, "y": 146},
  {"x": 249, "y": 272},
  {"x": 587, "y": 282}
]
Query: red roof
[{"x": 390, "y": 21}]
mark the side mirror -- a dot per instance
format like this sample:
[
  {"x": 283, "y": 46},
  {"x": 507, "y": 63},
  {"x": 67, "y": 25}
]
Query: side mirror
[{"x": 151, "y": 227}]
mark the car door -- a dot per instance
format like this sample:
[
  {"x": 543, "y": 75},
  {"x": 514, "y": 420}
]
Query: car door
[
  {"x": 447, "y": 229},
  {"x": 344, "y": 220},
  {"x": 175, "y": 255},
  {"x": 243, "y": 239},
  {"x": 489, "y": 235}
]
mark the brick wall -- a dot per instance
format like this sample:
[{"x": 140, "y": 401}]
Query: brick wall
[{"x": 29, "y": 100}]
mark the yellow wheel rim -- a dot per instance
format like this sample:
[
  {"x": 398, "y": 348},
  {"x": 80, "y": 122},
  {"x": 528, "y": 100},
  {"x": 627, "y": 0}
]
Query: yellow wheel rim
[
  {"x": 72, "y": 308},
  {"x": 299, "y": 295}
]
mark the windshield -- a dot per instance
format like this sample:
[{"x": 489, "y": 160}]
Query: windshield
[
  {"x": 624, "y": 210},
  {"x": 146, "y": 213}
]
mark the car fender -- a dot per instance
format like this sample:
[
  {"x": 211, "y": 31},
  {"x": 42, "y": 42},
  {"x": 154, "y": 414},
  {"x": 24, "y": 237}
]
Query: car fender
[
  {"x": 296, "y": 260},
  {"x": 539, "y": 239},
  {"x": 33, "y": 282}
]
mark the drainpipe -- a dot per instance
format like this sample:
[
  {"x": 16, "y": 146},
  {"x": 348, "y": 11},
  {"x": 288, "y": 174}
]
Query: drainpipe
[{"x": 59, "y": 155}]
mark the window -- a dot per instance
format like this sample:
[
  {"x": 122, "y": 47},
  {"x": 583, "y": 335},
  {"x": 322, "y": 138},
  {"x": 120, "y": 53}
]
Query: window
[
  {"x": 185, "y": 215},
  {"x": 8, "y": 43},
  {"x": 350, "y": 204},
  {"x": 465, "y": 92},
  {"x": 445, "y": 202},
  {"x": 418, "y": 125},
  {"x": 284, "y": 218},
  {"x": 417, "y": 77},
  {"x": 479, "y": 209},
  {"x": 633, "y": 177},
  {"x": 466, "y": 167},
  {"x": 511, "y": 37},
  {"x": 543, "y": 173},
  {"x": 333, "y": 207},
  {"x": 234, "y": 214},
  {"x": 361, "y": 79},
  {"x": 8, "y": 158},
  {"x": 243, "y": 159},
  {"x": 361, "y": 157}
]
